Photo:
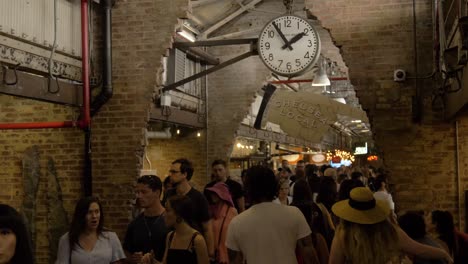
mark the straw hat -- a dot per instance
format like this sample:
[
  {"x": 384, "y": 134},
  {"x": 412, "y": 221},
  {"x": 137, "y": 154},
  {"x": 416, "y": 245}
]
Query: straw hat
[
  {"x": 330, "y": 172},
  {"x": 361, "y": 208}
]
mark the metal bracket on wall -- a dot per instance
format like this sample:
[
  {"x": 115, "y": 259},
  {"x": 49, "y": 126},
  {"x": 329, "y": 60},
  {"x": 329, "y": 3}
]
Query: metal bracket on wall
[
  {"x": 34, "y": 86},
  {"x": 251, "y": 52}
]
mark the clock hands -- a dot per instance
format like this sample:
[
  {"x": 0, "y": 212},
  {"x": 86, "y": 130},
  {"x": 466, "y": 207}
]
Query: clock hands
[
  {"x": 293, "y": 40},
  {"x": 286, "y": 44}
]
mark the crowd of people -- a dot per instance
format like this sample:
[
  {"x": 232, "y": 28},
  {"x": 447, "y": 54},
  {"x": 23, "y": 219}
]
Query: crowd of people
[{"x": 316, "y": 215}]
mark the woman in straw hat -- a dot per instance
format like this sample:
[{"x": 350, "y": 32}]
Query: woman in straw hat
[{"x": 366, "y": 236}]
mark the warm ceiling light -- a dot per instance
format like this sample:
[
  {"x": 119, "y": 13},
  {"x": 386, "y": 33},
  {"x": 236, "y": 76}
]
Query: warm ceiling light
[
  {"x": 178, "y": 131},
  {"x": 187, "y": 35},
  {"x": 198, "y": 134},
  {"x": 321, "y": 78}
]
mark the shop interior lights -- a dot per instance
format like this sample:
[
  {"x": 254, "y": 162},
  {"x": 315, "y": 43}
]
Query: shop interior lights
[
  {"x": 343, "y": 155},
  {"x": 241, "y": 146}
]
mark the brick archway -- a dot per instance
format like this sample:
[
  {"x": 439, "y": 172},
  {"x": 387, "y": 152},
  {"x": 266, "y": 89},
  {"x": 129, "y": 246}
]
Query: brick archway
[{"x": 376, "y": 37}]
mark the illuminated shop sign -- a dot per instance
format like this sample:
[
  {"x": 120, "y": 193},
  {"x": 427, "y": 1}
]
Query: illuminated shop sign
[{"x": 361, "y": 150}]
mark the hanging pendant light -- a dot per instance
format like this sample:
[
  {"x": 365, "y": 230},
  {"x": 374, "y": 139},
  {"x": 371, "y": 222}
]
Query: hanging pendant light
[{"x": 321, "y": 78}]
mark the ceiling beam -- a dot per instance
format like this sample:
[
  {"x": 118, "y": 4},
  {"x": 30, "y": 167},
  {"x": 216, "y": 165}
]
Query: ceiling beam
[
  {"x": 226, "y": 20},
  {"x": 242, "y": 33},
  {"x": 220, "y": 66},
  {"x": 210, "y": 43}
]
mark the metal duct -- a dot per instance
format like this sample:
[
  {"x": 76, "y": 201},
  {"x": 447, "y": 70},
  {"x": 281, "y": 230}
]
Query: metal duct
[{"x": 165, "y": 134}]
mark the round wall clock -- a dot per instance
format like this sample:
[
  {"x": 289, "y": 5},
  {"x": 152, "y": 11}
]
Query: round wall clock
[{"x": 289, "y": 45}]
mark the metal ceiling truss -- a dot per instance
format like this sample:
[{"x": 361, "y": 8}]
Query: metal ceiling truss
[
  {"x": 224, "y": 21},
  {"x": 240, "y": 33}
]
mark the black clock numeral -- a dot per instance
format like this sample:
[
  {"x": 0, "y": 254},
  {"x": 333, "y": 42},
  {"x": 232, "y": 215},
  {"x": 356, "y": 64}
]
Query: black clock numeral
[
  {"x": 306, "y": 30},
  {"x": 288, "y": 66},
  {"x": 281, "y": 62},
  {"x": 298, "y": 63},
  {"x": 270, "y": 57},
  {"x": 307, "y": 56},
  {"x": 310, "y": 43},
  {"x": 298, "y": 24},
  {"x": 271, "y": 34},
  {"x": 287, "y": 23},
  {"x": 267, "y": 45}
]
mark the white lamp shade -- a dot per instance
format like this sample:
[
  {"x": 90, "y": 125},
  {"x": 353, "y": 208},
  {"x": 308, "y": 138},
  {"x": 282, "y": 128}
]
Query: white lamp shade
[
  {"x": 321, "y": 79},
  {"x": 187, "y": 35}
]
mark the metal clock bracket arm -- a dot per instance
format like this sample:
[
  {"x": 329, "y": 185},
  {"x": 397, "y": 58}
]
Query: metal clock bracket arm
[
  {"x": 269, "y": 90},
  {"x": 253, "y": 51}
]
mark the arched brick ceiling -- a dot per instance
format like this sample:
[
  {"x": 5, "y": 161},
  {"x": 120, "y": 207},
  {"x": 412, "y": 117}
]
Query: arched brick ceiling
[{"x": 206, "y": 13}]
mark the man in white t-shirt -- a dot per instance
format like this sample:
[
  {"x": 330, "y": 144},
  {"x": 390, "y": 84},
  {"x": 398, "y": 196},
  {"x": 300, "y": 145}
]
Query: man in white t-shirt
[
  {"x": 383, "y": 194},
  {"x": 268, "y": 233}
]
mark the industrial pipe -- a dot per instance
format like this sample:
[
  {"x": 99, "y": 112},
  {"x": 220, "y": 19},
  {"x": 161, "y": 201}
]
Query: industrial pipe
[
  {"x": 85, "y": 121},
  {"x": 86, "y": 117},
  {"x": 107, "y": 90},
  {"x": 36, "y": 125},
  {"x": 166, "y": 134}
]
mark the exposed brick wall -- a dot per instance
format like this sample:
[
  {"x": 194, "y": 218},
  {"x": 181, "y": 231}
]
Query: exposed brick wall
[
  {"x": 142, "y": 32},
  {"x": 463, "y": 162},
  {"x": 64, "y": 146},
  {"x": 376, "y": 37},
  {"x": 162, "y": 152},
  {"x": 232, "y": 90}
]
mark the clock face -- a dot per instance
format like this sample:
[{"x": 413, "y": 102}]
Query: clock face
[{"x": 289, "y": 45}]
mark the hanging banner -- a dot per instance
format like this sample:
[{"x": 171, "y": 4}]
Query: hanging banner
[{"x": 303, "y": 115}]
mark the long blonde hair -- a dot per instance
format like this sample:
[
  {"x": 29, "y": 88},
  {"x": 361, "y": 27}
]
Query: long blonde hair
[{"x": 369, "y": 244}]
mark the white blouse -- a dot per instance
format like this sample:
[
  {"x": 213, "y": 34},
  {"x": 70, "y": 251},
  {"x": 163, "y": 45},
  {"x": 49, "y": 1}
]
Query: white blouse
[{"x": 107, "y": 250}]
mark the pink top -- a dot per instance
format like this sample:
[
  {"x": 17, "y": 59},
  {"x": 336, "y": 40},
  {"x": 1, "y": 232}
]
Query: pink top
[{"x": 226, "y": 214}]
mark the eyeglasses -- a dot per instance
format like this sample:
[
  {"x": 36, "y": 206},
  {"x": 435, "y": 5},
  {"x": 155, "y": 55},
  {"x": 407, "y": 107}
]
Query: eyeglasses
[{"x": 173, "y": 171}]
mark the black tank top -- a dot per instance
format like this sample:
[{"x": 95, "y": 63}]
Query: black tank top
[{"x": 185, "y": 256}]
